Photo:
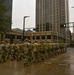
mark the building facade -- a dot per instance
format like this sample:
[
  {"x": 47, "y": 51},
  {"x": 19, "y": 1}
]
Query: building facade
[
  {"x": 50, "y": 15},
  {"x": 35, "y": 36},
  {"x": 8, "y": 4}
]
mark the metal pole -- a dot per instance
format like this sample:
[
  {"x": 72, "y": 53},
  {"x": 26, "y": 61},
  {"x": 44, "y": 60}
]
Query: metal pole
[
  {"x": 65, "y": 36},
  {"x": 23, "y": 28},
  {"x": 73, "y": 27},
  {"x": 57, "y": 36}
]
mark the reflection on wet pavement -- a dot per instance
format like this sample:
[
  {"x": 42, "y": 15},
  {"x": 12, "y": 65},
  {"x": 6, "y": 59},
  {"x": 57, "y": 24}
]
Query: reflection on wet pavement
[{"x": 58, "y": 65}]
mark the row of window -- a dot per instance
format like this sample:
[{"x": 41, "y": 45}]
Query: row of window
[{"x": 9, "y": 36}]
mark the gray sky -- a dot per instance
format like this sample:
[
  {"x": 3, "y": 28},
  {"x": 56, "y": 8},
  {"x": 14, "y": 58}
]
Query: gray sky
[{"x": 23, "y": 8}]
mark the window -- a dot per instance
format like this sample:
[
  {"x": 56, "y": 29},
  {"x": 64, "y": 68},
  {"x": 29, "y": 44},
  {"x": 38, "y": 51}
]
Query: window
[{"x": 48, "y": 36}]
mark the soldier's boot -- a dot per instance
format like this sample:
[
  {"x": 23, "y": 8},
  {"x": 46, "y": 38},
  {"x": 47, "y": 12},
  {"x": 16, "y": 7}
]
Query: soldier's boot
[
  {"x": 3, "y": 59},
  {"x": 26, "y": 64},
  {"x": 34, "y": 60},
  {"x": 0, "y": 60},
  {"x": 19, "y": 58}
]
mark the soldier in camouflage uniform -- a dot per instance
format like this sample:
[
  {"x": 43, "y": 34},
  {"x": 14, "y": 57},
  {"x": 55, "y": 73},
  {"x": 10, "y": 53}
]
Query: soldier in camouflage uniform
[
  {"x": 0, "y": 53},
  {"x": 3, "y": 52},
  {"x": 22, "y": 52},
  {"x": 57, "y": 48},
  {"x": 30, "y": 47},
  {"x": 51, "y": 49},
  {"x": 35, "y": 52},
  {"x": 9, "y": 48},
  {"x": 7, "y": 45},
  {"x": 17, "y": 51},
  {"x": 39, "y": 52},
  {"x": 47, "y": 50},
  {"x": 42, "y": 49},
  {"x": 65, "y": 47},
  {"x": 26, "y": 46},
  {"x": 61, "y": 47},
  {"x": 12, "y": 54}
]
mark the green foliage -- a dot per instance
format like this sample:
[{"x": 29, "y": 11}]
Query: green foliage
[
  {"x": 72, "y": 41},
  {"x": 4, "y": 19},
  {"x": 2, "y": 8}
]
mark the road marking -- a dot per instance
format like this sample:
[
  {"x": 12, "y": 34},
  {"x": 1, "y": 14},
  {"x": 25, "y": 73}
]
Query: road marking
[
  {"x": 47, "y": 62},
  {"x": 64, "y": 65},
  {"x": 66, "y": 60},
  {"x": 72, "y": 56},
  {"x": 53, "y": 59}
]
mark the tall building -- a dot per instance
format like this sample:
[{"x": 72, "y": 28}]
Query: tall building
[
  {"x": 8, "y": 4},
  {"x": 51, "y": 14}
]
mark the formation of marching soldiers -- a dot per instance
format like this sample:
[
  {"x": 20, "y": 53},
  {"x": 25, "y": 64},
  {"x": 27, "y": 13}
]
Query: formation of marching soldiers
[{"x": 30, "y": 52}]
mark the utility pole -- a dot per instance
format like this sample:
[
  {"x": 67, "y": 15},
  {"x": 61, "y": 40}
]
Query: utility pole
[
  {"x": 73, "y": 27},
  {"x": 24, "y": 27}
]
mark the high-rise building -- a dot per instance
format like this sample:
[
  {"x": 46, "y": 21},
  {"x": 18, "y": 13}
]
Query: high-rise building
[
  {"x": 8, "y": 4},
  {"x": 51, "y": 14}
]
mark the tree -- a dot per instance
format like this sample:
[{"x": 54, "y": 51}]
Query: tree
[{"x": 4, "y": 20}]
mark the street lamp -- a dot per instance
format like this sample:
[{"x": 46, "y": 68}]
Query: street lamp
[
  {"x": 24, "y": 26},
  {"x": 73, "y": 22},
  {"x": 72, "y": 7}
]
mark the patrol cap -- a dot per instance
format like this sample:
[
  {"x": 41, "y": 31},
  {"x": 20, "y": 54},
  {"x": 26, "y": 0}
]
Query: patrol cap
[
  {"x": 3, "y": 41},
  {"x": 35, "y": 41},
  {"x": 42, "y": 41},
  {"x": 26, "y": 39}
]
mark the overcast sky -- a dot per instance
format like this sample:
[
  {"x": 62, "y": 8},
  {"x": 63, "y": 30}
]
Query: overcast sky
[{"x": 23, "y": 8}]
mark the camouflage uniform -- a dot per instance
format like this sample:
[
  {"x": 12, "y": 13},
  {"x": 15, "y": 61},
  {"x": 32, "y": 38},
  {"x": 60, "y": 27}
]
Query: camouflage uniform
[
  {"x": 7, "y": 45},
  {"x": 42, "y": 49},
  {"x": 30, "y": 47},
  {"x": 61, "y": 47},
  {"x": 12, "y": 54},
  {"x": 0, "y": 53},
  {"x": 57, "y": 49},
  {"x": 51, "y": 49},
  {"x": 26, "y": 46},
  {"x": 65, "y": 47},
  {"x": 47, "y": 50},
  {"x": 22, "y": 52},
  {"x": 35, "y": 52},
  {"x": 3, "y": 52},
  {"x": 17, "y": 52},
  {"x": 39, "y": 52}
]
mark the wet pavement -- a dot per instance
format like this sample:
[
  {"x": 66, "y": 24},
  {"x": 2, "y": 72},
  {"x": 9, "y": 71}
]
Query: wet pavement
[{"x": 58, "y": 65}]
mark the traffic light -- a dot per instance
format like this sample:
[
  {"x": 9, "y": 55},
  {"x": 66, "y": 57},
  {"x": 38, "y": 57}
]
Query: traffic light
[
  {"x": 63, "y": 25},
  {"x": 35, "y": 29}
]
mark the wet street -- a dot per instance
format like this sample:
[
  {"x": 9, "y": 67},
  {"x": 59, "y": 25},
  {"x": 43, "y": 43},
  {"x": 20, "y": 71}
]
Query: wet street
[{"x": 58, "y": 65}]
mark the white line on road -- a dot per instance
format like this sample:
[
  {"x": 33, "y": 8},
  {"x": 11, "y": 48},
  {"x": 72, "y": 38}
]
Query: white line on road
[
  {"x": 72, "y": 56},
  {"x": 47, "y": 62},
  {"x": 69, "y": 61},
  {"x": 66, "y": 60},
  {"x": 64, "y": 65},
  {"x": 53, "y": 59}
]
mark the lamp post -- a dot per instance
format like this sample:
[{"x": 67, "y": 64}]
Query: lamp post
[
  {"x": 24, "y": 26},
  {"x": 73, "y": 22},
  {"x": 72, "y": 7}
]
